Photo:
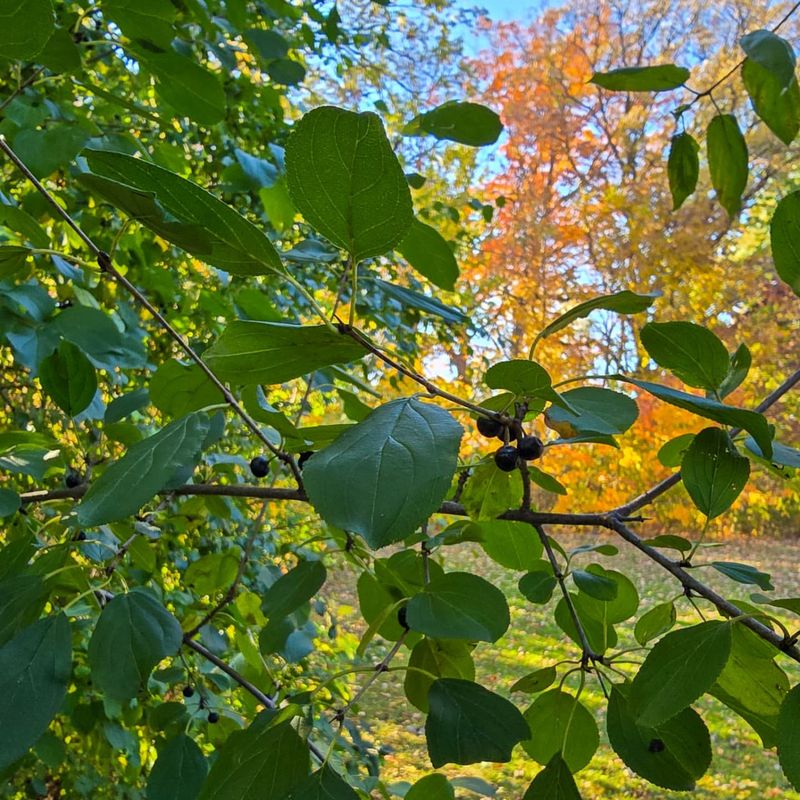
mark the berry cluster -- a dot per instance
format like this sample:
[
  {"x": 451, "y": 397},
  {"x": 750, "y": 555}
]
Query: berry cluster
[{"x": 528, "y": 448}]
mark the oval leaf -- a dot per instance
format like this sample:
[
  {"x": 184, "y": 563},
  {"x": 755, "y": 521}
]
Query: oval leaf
[
  {"x": 683, "y": 167},
  {"x": 179, "y": 771},
  {"x": 467, "y": 123},
  {"x": 727, "y": 161},
  {"x": 658, "y": 78},
  {"x": 430, "y": 255}
]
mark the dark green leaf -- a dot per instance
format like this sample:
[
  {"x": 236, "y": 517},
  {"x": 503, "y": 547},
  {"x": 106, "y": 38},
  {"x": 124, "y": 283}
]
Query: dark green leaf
[
  {"x": 671, "y": 453},
  {"x": 624, "y": 302},
  {"x": 659, "y": 78},
  {"x": 213, "y": 572},
  {"x": 490, "y": 492},
  {"x": 655, "y": 622},
  {"x": 45, "y": 150},
  {"x": 595, "y": 582},
  {"x": 468, "y": 724},
  {"x": 431, "y": 787},
  {"x": 286, "y": 72},
  {"x": 424, "y": 302},
  {"x": 68, "y": 378},
  {"x": 713, "y": 472},
  {"x": 679, "y": 669},
  {"x": 536, "y": 681},
  {"x": 146, "y": 468},
  {"x": 9, "y": 502},
  {"x": 413, "y": 442},
  {"x": 789, "y": 736},
  {"x": 267, "y": 44},
  {"x": 177, "y": 389},
  {"x": 347, "y": 182},
  {"x": 324, "y": 784},
  {"x": 293, "y": 589},
  {"x": 183, "y": 213},
  {"x": 264, "y": 756},
  {"x": 771, "y": 52},
  {"x": 554, "y": 782},
  {"x": 727, "y": 161},
  {"x": 751, "y": 421},
  {"x": 522, "y": 377},
  {"x": 683, "y": 167},
  {"x": 273, "y": 352},
  {"x": 133, "y": 634},
  {"x": 693, "y": 353},
  {"x": 459, "y": 605},
  {"x": 430, "y": 255},
  {"x": 672, "y": 755},
  {"x": 467, "y": 123},
  {"x": 784, "y": 232},
  {"x": 179, "y": 771},
  {"x": 537, "y": 585},
  {"x": 22, "y": 600},
  {"x": 740, "y": 364},
  {"x": 561, "y": 724},
  {"x": 442, "y": 659},
  {"x": 148, "y": 20},
  {"x": 744, "y": 573},
  {"x": 514, "y": 545},
  {"x": 595, "y": 411},
  {"x": 781, "y": 454},
  {"x": 35, "y": 668},
  {"x": 25, "y": 27},
  {"x": 779, "y": 108},
  {"x": 13, "y": 259}
]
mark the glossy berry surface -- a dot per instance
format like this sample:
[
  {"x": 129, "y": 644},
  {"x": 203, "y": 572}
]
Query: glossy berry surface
[
  {"x": 530, "y": 447},
  {"x": 259, "y": 466},
  {"x": 72, "y": 479},
  {"x": 506, "y": 458},
  {"x": 213, "y": 717},
  {"x": 188, "y": 691},
  {"x": 489, "y": 427}
]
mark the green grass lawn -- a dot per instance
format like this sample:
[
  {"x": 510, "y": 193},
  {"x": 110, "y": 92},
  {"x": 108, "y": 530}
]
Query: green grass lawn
[{"x": 741, "y": 768}]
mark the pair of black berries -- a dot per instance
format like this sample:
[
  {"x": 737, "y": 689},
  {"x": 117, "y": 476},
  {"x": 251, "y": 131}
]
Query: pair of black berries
[
  {"x": 259, "y": 466},
  {"x": 212, "y": 717},
  {"x": 528, "y": 448}
]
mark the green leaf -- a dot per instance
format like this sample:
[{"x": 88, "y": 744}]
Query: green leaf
[
  {"x": 467, "y": 123},
  {"x": 624, "y": 302},
  {"x": 660, "y": 78},
  {"x": 561, "y": 724},
  {"x": 655, "y": 622},
  {"x": 148, "y": 20},
  {"x": 294, "y": 588},
  {"x": 672, "y": 452},
  {"x": 490, "y": 492},
  {"x": 784, "y": 230},
  {"x": 266, "y": 44},
  {"x": 514, "y": 545},
  {"x": 679, "y": 669},
  {"x": 683, "y": 167},
  {"x": 10, "y": 502},
  {"x": 274, "y": 757},
  {"x": 595, "y": 582},
  {"x": 751, "y": 421},
  {"x": 468, "y": 724},
  {"x": 432, "y": 787},
  {"x": 554, "y": 782},
  {"x": 68, "y": 378},
  {"x": 442, "y": 659},
  {"x": 727, "y": 161},
  {"x": 423, "y": 302},
  {"x": 595, "y": 411},
  {"x": 536, "y": 681},
  {"x": 179, "y": 771},
  {"x": 523, "y": 378},
  {"x": 744, "y": 573},
  {"x": 177, "y": 389},
  {"x": 459, "y": 605},
  {"x": 672, "y": 755},
  {"x": 134, "y": 632},
  {"x": 693, "y": 353},
  {"x": 46, "y": 150},
  {"x": 545, "y": 481},
  {"x": 213, "y": 572},
  {"x": 324, "y": 784},
  {"x": 25, "y": 27},
  {"x": 286, "y": 72},
  {"x": 274, "y": 352},
  {"x": 13, "y": 259},
  {"x": 537, "y": 585},
  {"x": 713, "y": 472},
  {"x": 778, "y": 107},
  {"x": 183, "y": 213},
  {"x": 430, "y": 255},
  {"x": 143, "y": 471},
  {"x": 789, "y": 737},
  {"x": 347, "y": 182},
  {"x": 35, "y": 668},
  {"x": 740, "y": 363},
  {"x": 414, "y": 443},
  {"x": 771, "y": 52},
  {"x": 752, "y": 685},
  {"x": 781, "y": 454},
  {"x": 22, "y": 600}
]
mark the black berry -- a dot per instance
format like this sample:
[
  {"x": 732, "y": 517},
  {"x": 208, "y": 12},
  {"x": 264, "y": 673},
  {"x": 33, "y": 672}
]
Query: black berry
[
  {"x": 506, "y": 458},
  {"x": 402, "y": 617},
  {"x": 303, "y": 457},
  {"x": 188, "y": 692},
  {"x": 489, "y": 427},
  {"x": 656, "y": 746},
  {"x": 72, "y": 479},
  {"x": 530, "y": 448},
  {"x": 259, "y": 466},
  {"x": 213, "y": 717}
]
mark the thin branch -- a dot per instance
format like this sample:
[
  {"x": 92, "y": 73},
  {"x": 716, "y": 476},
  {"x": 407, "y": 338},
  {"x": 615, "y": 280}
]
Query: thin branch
[{"x": 107, "y": 267}]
